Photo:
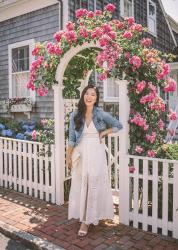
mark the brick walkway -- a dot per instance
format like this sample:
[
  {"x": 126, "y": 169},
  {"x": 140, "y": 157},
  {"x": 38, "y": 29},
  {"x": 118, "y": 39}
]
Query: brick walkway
[{"x": 50, "y": 223}]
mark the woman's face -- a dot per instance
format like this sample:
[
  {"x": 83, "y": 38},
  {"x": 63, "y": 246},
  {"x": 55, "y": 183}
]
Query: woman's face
[{"x": 90, "y": 97}]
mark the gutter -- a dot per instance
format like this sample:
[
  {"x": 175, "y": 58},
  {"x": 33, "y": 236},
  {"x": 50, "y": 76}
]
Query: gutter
[{"x": 61, "y": 14}]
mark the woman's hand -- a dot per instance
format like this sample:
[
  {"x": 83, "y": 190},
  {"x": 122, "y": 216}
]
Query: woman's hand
[{"x": 102, "y": 134}]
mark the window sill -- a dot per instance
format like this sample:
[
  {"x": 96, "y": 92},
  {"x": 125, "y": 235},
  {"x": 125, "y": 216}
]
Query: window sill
[
  {"x": 151, "y": 33},
  {"x": 16, "y": 108}
]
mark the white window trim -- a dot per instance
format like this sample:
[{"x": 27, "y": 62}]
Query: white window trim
[
  {"x": 153, "y": 34},
  {"x": 31, "y": 44},
  {"x": 107, "y": 98},
  {"x": 122, "y": 8}
]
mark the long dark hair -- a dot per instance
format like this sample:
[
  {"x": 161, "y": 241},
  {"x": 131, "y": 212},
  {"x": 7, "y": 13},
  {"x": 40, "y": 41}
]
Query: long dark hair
[{"x": 82, "y": 107}]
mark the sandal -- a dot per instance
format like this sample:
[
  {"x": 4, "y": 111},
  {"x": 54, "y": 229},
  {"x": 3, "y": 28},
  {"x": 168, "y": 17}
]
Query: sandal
[{"x": 83, "y": 233}]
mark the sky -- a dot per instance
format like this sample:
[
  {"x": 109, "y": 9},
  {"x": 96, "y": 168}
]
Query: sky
[{"x": 171, "y": 8}]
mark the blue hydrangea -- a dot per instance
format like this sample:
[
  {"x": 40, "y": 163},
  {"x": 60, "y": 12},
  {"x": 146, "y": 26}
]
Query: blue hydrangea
[
  {"x": 2, "y": 126},
  {"x": 20, "y": 136},
  {"x": 7, "y": 132},
  {"x": 29, "y": 133}
]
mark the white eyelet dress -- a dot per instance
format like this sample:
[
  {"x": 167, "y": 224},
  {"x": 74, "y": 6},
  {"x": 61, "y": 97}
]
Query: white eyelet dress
[{"x": 90, "y": 198}]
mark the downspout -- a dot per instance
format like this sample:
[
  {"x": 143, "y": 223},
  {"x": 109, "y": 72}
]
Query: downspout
[{"x": 61, "y": 14}]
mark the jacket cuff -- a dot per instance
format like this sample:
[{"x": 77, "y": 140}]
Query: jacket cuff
[
  {"x": 115, "y": 129},
  {"x": 71, "y": 143}
]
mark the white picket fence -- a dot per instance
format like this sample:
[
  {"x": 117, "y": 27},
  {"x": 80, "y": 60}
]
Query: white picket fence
[
  {"x": 24, "y": 169},
  {"x": 151, "y": 200}
]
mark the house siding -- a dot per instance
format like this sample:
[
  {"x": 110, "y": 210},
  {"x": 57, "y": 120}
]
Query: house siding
[
  {"x": 164, "y": 40},
  {"x": 39, "y": 25},
  {"x": 176, "y": 36}
]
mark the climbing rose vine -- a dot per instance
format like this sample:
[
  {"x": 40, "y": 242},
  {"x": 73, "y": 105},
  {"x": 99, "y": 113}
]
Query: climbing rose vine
[{"x": 123, "y": 53}]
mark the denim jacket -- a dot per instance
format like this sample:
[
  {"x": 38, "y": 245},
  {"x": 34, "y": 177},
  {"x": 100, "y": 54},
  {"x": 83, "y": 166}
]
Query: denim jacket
[{"x": 101, "y": 119}]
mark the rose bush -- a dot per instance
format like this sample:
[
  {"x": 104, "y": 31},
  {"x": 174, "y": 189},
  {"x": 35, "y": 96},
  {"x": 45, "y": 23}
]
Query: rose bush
[{"x": 123, "y": 53}]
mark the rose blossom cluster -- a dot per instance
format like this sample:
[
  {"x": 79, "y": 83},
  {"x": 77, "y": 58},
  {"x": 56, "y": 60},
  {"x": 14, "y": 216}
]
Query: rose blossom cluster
[
  {"x": 136, "y": 62},
  {"x": 170, "y": 85},
  {"x": 139, "y": 121},
  {"x": 140, "y": 86},
  {"x": 147, "y": 42},
  {"x": 151, "y": 138},
  {"x": 151, "y": 153},
  {"x": 139, "y": 149},
  {"x": 172, "y": 115},
  {"x": 157, "y": 104},
  {"x": 53, "y": 49},
  {"x": 163, "y": 71}
]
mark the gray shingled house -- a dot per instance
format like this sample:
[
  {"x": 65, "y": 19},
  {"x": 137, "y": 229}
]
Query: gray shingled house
[{"x": 22, "y": 23}]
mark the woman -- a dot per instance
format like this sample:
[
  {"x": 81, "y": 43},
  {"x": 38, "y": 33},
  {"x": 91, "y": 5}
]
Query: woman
[{"x": 90, "y": 198}]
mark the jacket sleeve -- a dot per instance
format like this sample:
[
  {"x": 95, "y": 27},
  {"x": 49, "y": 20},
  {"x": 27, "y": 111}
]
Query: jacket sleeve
[
  {"x": 72, "y": 136},
  {"x": 112, "y": 122}
]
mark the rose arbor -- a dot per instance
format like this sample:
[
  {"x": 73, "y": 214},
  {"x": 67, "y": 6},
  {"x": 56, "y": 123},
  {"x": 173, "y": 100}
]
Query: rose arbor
[{"x": 122, "y": 54}]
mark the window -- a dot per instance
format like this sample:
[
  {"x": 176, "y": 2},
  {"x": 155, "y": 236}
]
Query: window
[
  {"x": 111, "y": 90},
  {"x": 127, "y": 8},
  {"x": 20, "y": 58},
  {"x": 151, "y": 17}
]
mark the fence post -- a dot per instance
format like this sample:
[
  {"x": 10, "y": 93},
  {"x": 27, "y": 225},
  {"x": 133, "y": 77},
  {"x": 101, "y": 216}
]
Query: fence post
[
  {"x": 1, "y": 163},
  {"x": 59, "y": 165},
  {"x": 175, "y": 202},
  {"x": 124, "y": 109}
]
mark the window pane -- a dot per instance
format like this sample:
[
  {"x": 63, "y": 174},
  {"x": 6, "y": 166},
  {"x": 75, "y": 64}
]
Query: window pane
[
  {"x": 152, "y": 10},
  {"x": 19, "y": 81},
  {"x": 20, "y": 59},
  {"x": 15, "y": 54},
  {"x": 151, "y": 25},
  {"x": 128, "y": 8},
  {"x": 112, "y": 88},
  {"x": 84, "y": 4},
  {"x": 99, "y": 4}
]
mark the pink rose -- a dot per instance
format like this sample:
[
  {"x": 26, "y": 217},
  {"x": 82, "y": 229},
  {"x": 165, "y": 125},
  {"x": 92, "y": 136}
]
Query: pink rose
[
  {"x": 36, "y": 51},
  {"x": 131, "y": 169},
  {"x": 70, "y": 26},
  {"x": 98, "y": 12},
  {"x": 70, "y": 36},
  {"x": 112, "y": 35},
  {"x": 171, "y": 85},
  {"x": 137, "y": 27},
  {"x": 58, "y": 35},
  {"x": 90, "y": 14},
  {"x": 163, "y": 71},
  {"x": 80, "y": 13},
  {"x": 42, "y": 90},
  {"x": 103, "y": 76},
  {"x": 34, "y": 135},
  {"x": 130, "y": 20},
  {"x": 97, "y": 32},
  {"x": 151, "y": 153},
  {"x": 127, "y": 34},
  {"x": 119, "y": 25},
  {"x": 104, "y": 40},
  {"x": 161, "y": 124},
  {"x": 151, "y": 138},
  {"x": 140, "y": 86},
  {"x": 172, "y": 115},
  {"x": 135, "y": 61},
  {"x": 139, "y": 149},
  {"x": 106, "y": 27},
  {"x": 83, "y": 32},
  {"x": 110, "y": 7},
  {"x": 146, "y": 42}
]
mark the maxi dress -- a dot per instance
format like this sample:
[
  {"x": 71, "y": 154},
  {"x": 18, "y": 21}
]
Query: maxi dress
[{"x": 90, "y": 198}]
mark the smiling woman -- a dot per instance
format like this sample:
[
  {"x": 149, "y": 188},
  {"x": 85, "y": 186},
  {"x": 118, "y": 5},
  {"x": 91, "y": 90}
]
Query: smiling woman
[{"x": 90, "y": 198}]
